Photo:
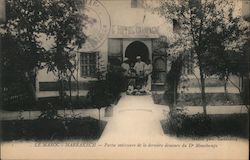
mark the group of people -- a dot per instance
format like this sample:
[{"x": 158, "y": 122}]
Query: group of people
[{"x": 138, "y": 75}]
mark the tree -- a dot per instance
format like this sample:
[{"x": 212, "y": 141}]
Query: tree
[
  {"x": 225, "y": 55},
  {"x": 173, "y": 79},
  {"x": 29, "y": 24},
  {"x": 173, "y": 53},
  {"x": 198, "y": 20},
  {"x": 22, "y": 52},
  {"x": 65, "y": 26}
]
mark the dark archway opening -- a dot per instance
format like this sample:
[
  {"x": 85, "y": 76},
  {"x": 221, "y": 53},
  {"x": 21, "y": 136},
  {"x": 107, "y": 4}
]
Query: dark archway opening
[{"x": 137, "y": 48}]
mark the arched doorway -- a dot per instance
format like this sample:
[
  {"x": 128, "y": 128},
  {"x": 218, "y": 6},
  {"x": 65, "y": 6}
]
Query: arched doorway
[{"x": 137, "y": 48}]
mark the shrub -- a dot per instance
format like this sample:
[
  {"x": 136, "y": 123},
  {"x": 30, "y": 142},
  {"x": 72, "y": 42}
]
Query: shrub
[
  {"x": 200, "y": 125},
  {"x": 115, "y": 81},
  {"x": 74, "y": 103},
  {"x": 232, "y": 124},
  {"x": 194, "y": 99},
  {"x": 105, "y": 92},
  {"x": 56, "y": 129},
  {"x": 180, "y": 123},
  {"x": 49, "y": 112},
  {"x": 17, "y": 96},
  {"x": 197, "y": 124},
  {"x": 98, "y": 95}
]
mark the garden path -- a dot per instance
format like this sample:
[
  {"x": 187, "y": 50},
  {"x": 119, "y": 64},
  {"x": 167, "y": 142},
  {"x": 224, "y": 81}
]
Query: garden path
[
  {"x": 135, "y": 132},
  {"x": 135, "y": 119}
]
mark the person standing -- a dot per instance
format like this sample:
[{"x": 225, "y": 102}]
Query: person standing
[
  {"x": 139, "y": 66},
  {"x": 131, "y": 79},
  {"x": 125, "y": 66},
  {"x": 148, "y": 74},
  {"x": 140, "y": 75}
]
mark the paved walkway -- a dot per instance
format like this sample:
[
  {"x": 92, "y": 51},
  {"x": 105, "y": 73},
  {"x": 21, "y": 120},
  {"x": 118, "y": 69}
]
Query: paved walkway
[{"x": 135, "y": 117}]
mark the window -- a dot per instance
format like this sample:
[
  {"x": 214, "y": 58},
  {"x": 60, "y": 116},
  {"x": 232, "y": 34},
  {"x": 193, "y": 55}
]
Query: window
[
  {"x": 136, "y": 3},
  {"x": 88, "y": 62}
]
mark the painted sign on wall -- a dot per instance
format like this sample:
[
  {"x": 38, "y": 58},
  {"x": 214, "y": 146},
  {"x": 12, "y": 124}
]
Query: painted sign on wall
[{"x": 120, "y": 31}]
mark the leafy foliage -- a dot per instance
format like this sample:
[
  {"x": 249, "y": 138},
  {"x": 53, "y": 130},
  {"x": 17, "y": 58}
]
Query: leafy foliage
[
  {"x": 199, "y": 125},
  {"x": 49, "y": 112},
  {"x": 181, "y": 123},
  {"x": 173, "y": 79},
  {"x": 105, "y": 92},
  {"x": 52, "y": 129},
  {"x": 98, "y": 96},
  {"x": 21, "y": 50},
  {"x": 20, "y": 34},
  {"x": 65, "y": 26},
  {"x": 211, "y": 30},
  {"x": 29, "y": 25}
]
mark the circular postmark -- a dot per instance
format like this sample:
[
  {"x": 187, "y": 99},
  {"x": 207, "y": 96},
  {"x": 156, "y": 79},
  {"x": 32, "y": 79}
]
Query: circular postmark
[{"x": 97, "y": 25}]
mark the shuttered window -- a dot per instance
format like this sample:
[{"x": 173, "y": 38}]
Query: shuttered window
[{"x": 88, "y": 62}]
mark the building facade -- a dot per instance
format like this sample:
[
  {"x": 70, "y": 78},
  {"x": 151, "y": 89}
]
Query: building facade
[{"x": 132, "y": 30}]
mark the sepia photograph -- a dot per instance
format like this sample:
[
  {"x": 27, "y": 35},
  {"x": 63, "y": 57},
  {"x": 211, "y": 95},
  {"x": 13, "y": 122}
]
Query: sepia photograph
[{"x": 124, "y": 79}]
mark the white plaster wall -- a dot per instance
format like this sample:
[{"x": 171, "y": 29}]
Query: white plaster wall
[
  {"x": 42, "y": 94},
  {"x": 44, "y": 76},
  {"x": 121, "y": 13}
]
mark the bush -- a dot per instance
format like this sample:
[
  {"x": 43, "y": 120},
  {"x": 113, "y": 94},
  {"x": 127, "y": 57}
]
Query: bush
[
  {"x": 98, "y": 95},
  {"x": 53, "y": 129},
  {"x": 182, "y": 124},
  {"x": 75, "y": 103},
  {"x": 105, "y": 92},
  {"x": 194, "y": 99},
  {"x": 200, "y": 125},
  {"x": 17, "y": 96},
  {"x": 115, "y": 81},
  {"x": 233, "y": 124},
  {"x": 49, "y": 112}
]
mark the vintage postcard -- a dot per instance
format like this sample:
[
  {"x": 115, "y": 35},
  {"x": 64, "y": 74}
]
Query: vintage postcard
[{"x": 124, "y": 79}]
